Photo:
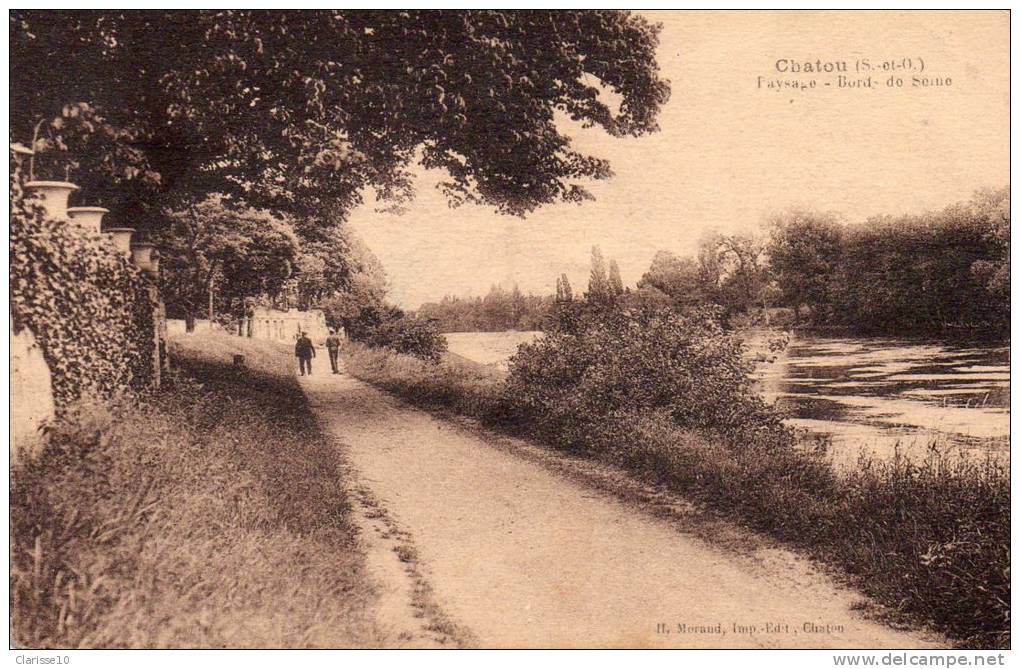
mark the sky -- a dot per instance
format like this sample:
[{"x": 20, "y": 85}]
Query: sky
[{"x": 730, "y": 153}]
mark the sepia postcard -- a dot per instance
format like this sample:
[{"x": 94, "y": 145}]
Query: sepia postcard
[{"x": 510, "y": 329}]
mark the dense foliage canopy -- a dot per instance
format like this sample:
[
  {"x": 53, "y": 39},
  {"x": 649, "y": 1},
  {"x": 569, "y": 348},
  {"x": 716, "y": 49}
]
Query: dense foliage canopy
[
  {"x": 932, "y": 273},
  {"x": 915, "y": 274},
  {"x": 300, "y": 111},
  {"x": 217, "y": 256}
]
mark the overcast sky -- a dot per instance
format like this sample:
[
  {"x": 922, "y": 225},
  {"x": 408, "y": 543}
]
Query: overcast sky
[{"x": 730, "y": 153}]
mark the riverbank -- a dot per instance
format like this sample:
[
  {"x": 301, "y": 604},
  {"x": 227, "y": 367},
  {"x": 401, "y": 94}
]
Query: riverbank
[
  {"x": 928, "y": 539},
  {"x": 165, "y": 522},
  {"x": 959, "y": 336}
]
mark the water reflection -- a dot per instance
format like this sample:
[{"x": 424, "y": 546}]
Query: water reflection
[{"x": 872, "y": 394}]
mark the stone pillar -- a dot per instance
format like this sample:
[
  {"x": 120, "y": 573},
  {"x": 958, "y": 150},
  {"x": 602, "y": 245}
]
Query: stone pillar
[
  {"x": 158, "y": 331},
  {"x": 164, "y": 358},
  {"x": 32, "y": 404}
]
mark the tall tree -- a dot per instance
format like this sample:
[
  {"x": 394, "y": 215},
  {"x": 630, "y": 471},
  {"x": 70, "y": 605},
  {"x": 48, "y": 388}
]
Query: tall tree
[
  {"x": 679, "y": 278},
  {"x": 300, "y": 111},
  {"x": 804, "y": 252},
  {"x": 564, "y": 293},
  {"x": 360, "y": 298},
  {"x": 568, "y": 292},
  {"x": 615, "y": 282},
  {"x": 599, "y": 291}
]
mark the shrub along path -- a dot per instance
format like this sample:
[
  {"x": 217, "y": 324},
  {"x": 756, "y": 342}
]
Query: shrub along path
[{"x": 523, "y": 557}]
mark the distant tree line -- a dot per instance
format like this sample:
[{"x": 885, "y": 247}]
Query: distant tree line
[
  {"x": 915, "y": 274},
  {"x": 499, "y": 310},
  {"x": 933, "y": 273}
]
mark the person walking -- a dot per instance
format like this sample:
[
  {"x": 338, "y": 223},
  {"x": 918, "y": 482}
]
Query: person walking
[
  {"x": 305, "y": 351},
  {"x": 333, "y": 346}
]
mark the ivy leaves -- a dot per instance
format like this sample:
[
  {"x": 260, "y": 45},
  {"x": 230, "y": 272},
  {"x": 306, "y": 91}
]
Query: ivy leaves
[{"x": 87, "y": 306}]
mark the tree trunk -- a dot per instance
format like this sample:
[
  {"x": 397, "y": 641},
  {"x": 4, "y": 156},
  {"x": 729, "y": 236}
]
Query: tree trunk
[
  {"x": 189, "y": 322},
  {"x": 211, "y": 293}
]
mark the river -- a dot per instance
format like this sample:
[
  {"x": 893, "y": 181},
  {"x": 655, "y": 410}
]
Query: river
[{"x": 879, "y": 394}]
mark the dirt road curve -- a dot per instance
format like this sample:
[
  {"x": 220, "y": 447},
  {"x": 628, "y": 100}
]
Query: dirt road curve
[{"x": 523, "y": 557}]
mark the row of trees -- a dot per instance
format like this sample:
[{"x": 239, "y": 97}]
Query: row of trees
[
  {"x": 932, "y": 273},
  {"x": 915, "y": 274},
  {"x": 503, "y": 309},
  {"x": 222, "y": 260},
  {"x": 729, "y": 270},
  {"x": 499, "y": 310}
]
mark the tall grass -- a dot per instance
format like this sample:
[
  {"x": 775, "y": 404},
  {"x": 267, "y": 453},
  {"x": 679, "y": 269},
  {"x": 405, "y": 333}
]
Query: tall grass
[
  {"x": 211, "y": 514},
  {"x": 929, "y": 540}
]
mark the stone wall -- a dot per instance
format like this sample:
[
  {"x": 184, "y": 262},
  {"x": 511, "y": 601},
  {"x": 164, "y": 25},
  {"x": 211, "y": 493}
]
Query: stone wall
[
  {"x": 32, "y": 403},
  {"x": 177, "y": 326},
  {"x": 86, "y": 318},
  {"x": 285, "y": 325}
]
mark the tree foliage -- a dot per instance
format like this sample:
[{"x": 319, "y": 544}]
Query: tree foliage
[
  {"x": 564, "y": 293},
  {"x": 358, "y": 302},
  {"x": 680, "y": 278},
  {"x": 497, "y": 311},
  {"x": 301, "y": 111},
  {"x": 730, "y": 271},
  {"x": 804, "y": 253},
  {"x": 615, "y": 281},
  {"x": 599, "y": 289},
  {"x": 212, "y": 251},
  {"x": 913, "y": 274}
]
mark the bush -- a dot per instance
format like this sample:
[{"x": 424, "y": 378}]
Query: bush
[
  {"x": 639, "y": 359},
  {"x": 409, "y": 335}
]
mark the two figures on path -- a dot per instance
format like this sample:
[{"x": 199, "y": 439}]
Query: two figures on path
[{"x": 305, "y": 351}]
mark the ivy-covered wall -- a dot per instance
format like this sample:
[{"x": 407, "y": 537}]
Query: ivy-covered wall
[{"x": 87, "y": 305}]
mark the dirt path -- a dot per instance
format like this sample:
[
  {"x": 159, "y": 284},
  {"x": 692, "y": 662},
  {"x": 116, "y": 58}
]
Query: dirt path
[{"x": 523, "y": 557}]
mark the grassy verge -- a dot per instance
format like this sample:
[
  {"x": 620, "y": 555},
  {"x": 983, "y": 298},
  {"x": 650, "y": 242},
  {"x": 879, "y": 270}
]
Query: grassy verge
[
  {"x": 929, "y": 540},
  {"x": 211, "y": 514}
]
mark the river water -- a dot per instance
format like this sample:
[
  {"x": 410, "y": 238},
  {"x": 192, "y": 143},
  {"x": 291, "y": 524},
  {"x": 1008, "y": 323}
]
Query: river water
[
  {"x": 859, "y": 395},
  {"x": 879, "y": 395}
]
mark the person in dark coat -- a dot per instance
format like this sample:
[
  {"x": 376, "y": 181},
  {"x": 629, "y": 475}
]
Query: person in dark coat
[
  {"x": 333, "y": 346},
  {"x": 305, "y": 351}
]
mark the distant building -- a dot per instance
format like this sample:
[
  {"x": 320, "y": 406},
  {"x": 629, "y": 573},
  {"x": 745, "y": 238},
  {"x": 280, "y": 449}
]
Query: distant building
[{"x": 285, "y": 325}]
